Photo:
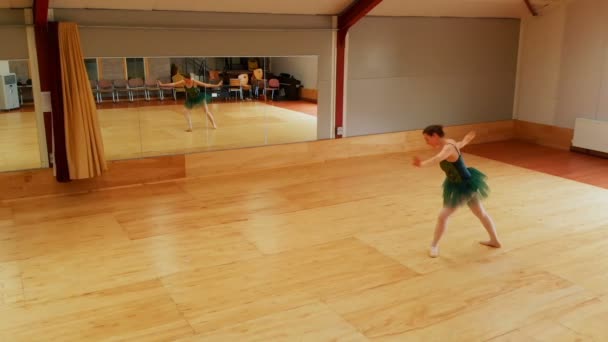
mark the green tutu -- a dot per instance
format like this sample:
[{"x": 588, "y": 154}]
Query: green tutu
[
  {"x": 457, "y": 192},
  {"x": 197, "y": 100}
]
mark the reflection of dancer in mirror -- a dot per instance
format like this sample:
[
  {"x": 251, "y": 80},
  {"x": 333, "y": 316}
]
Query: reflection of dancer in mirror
[
  {"x": 463, "y": 185},
  {"x": 194, "y": 97}
]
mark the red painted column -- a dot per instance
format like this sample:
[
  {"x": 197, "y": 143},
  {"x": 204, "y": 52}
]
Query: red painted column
[
  {"x": 347, "y": 19},
  {"x": 40, "y": 11},
  {"x": 49, "y": 69}
]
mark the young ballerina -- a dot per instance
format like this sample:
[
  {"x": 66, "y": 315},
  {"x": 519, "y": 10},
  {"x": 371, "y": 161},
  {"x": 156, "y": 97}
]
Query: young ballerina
[
  {"x": 463, "y": 185},
  {"x": 194, "y": 97}
]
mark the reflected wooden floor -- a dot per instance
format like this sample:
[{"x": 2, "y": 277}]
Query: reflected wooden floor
[
  {"x": 160, "y": 130},
  {"x": 131, "y": 131},
  {"x": 19, "y": 140},
  {"x": 328, "y": 252},
  {"x": 298, "y": 106},
  {"x": 301, "y": 106}
]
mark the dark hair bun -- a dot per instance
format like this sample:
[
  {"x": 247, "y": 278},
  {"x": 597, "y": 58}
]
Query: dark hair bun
[{"x": 434, "y": 129}]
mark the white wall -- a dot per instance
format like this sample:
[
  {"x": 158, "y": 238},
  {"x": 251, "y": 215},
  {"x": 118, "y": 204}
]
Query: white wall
[
  {"x": 4, "y": 67},
  {"x": 539, "y": 67},
  {"x": 406, "y": 73},
  {"x": 564, "y": 65},
  {"x": 21, "y": 68},
  {"x": 303, "y": 68}
]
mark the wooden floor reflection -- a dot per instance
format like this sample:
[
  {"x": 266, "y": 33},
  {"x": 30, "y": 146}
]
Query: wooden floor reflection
[{"x": 131, "y": 131}]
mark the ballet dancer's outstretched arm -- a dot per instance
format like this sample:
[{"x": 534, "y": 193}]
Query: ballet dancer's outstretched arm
[
  {"x": 208, "y": 85},
  {"x": 174, "y": 84},
  {"x": 442, "y": 155},
  {"x": 466, "y": 140},
  {"x": 445, "y": 152}
]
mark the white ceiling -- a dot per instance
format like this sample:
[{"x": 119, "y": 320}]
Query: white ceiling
[
  {"x": 433, "y": 8},
  {"x": 322, "y": 7},
  {"x": 452, "y": 8}
]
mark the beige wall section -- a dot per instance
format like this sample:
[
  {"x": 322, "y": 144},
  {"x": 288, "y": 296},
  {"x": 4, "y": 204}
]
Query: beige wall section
[
  {"x": 429, "y": 70},
  {"x": 11, "y": 17},
  {"x": 602, "y": 113},
  {"x": 564, "y": 66},
  {"x": 179, "y": 19},
  {"x": 291, "y": 35},
  {"x": 14, "y": 42},
  {"x": 12, "y": 34}
]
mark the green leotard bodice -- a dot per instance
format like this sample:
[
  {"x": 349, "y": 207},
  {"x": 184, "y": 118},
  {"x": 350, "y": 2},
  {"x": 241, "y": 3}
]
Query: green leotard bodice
[{"x": 455, "y": 171}]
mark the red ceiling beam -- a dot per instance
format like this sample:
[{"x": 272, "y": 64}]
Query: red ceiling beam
[
  {"x": 355, "y": 12},
  {"x": 346, "y": 20},
  {"x": 531, "y": 8}
]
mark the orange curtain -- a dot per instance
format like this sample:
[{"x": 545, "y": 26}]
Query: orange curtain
[{"x": 84, "y": 144}]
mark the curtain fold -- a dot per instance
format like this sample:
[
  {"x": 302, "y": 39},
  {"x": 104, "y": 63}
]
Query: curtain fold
[
  {"x": 83, "y": 140},
  {"x": 54, "y": 85}
]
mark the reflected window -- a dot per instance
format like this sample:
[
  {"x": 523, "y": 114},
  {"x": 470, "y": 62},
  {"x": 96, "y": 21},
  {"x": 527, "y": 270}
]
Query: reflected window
[
  {"x": 136, "y": 68},
  {"x": 92, "y": 71}
]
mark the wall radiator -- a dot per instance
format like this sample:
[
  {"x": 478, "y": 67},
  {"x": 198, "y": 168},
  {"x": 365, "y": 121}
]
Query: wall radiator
[{"x": 591, "y": 135}]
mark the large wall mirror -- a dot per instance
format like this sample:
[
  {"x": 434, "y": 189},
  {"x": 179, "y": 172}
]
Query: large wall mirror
[
  {"x": 253, "y": 101},
  {"x": 19, "y": 136}
]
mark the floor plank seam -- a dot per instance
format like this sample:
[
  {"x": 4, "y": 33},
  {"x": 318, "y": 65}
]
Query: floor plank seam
[
  {"x": 389, "y": 257},
  {"x": 181, "y": 313},
  {"x": 501, "y": 335},
  {"x": 573, "y": 330},
  {"x": 344, "y": 320}
]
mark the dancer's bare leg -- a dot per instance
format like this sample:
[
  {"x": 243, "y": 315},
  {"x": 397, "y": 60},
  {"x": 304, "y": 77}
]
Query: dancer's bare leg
[
  {"x": 442, "y": 222},
  {"x": 210, "y": 115},
  {"x": 479, "y": 211},
  {"x": 188, "y": 117}
]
